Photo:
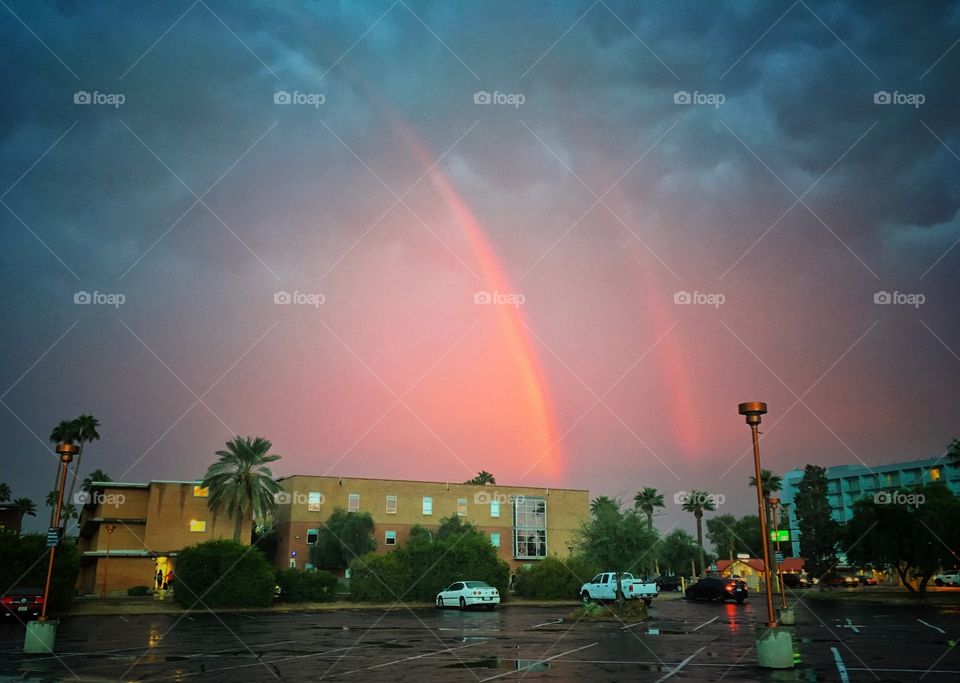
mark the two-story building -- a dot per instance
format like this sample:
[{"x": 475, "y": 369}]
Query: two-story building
[
  {"x": 129, "y": 532},
  {"x": 525, "y": 523}
]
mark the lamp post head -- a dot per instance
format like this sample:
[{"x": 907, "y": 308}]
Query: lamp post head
[
  {"x": 66, "y": 451},
  {"x": 752, "y": 411},
  {"x": 774, "y": 502}
]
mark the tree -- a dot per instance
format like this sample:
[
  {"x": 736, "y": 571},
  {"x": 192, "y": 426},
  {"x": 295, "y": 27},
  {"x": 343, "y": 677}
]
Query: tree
[
  {"x": 95, "y": 476},
  {"x": 5, "y": 492},
  {"x": 84, "y": 431},
  {"x": 482, "y": 479},
  {"x": 453, "y": 526},
  {"x": 771, "y": 482},
  {"x": 912, "y": 531},
  {"x": 344, "y": 537},
  {"x": 616, "y": 541},
  {"x": 240, "y": 481},
  {"x": 646, "y": 500},
  {"x": 604, "y": 504},
  {"x": 819, "y": 533},
  {"x": 677, "y": 550},
  {"x": 699, "y": 502},
  {"x": 722, "y": 533},
  {"x": 67, "y": 512},
  {"x": 27, "y": 507}
]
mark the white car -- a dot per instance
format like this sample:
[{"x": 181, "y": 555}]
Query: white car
[
  {"x": 465, "y": 593},
  {"x": 951, "y": 578}
]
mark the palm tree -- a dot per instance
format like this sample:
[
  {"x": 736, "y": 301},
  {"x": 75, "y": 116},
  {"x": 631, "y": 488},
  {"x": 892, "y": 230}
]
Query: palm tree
[
  {"x": 603, "y": 504},
  {"x": 5, "y": 492},
  {"x": 67, "y": 512},
  {"x": 85, "y": 428},
  {"x": 65, "y": 432},
  {"x": 482, "y": 479},
  {"x": 240, "y": 480},
  {"x": 771, "y": 482},
  {"x": 699, "y": 502},
  {"x": 27, "y": 507},
  {"x": 646, "y": 500},
  {"x": 96, "y": 475}
]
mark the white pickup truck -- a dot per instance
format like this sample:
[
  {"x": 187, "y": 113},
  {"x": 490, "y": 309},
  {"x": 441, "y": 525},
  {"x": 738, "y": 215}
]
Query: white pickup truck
[{"x": 604, "y": 587}]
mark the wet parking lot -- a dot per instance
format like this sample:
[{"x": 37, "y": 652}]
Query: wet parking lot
[{"x": 680, "y": 641}]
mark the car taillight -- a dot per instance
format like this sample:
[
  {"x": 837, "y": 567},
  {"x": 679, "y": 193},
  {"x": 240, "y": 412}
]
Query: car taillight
[
  {"x": 39, "y": 598},
  {"x": 631, "y": 588},
  {"x": 729, "y": 586},
  {"x": 6, "y": 600}
]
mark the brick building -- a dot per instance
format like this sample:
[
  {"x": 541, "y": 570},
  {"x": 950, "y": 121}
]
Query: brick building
[
  {"x": 150, "y": 523},
  {"x": 525, "y": 523}
]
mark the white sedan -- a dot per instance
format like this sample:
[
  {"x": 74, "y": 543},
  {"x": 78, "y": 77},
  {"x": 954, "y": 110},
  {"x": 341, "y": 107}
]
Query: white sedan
[{"x": 466, "y": 593}]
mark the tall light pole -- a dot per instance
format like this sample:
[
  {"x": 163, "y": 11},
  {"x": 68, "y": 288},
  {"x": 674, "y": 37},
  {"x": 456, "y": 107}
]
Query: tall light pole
[
  {"x": 752, "y": 412},
  {"x": 110, "y": 529},
  {"x": 774, "y": 504}
]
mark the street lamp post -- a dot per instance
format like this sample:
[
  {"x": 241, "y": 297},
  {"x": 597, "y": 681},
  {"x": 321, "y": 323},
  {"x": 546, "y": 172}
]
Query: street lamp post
[
  {"x": 41, "y": 633},
  {"x": 775, "y": 645},
  {"x": 110, "y": 529},
  {"x": 774, "y": 504}
]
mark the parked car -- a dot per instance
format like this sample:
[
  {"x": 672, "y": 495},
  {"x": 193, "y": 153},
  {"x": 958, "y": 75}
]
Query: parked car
[
  {"x": 22, "y": 602},
  {"x": 668, "y": 583},
  {"x": 795, "y": 581},
  {"x": 464, "y": 594},
  {"x": 951, "y": 578},
  {"x": 604, "y": 587},
  {"x": 865, "y": 580},
  {"x": 717, "y": 588},
  {"x": 841, "y": 581}
]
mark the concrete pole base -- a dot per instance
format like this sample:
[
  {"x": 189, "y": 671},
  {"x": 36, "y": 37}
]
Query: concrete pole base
[
  {"x": 787, "y": 617},
  {"x": 775, "y": 649},
  {"x": 40, "y": 637}
]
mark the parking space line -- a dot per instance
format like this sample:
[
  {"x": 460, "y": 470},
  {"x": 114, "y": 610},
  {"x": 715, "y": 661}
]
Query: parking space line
[
  {"x": 407, "y": 659},
  {"x": 935, "y": 628},
  {"x": 547, "y": 623},
  {"x": 705, "y": 623},
  {"x": 841, "y": 667},
  {"x": 852, "y": 626},
  {"x": 682, "y": 664},
  {"x": 539, "y": 661}
]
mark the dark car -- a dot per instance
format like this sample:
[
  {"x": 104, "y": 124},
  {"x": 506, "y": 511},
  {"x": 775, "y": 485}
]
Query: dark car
[
  {"x": 717, "y": 588},
  {"x": 795, "y": 581},
  {"x": 22, "y": 602},
  {"x": 668, "y": 583},
  {"x": 865, "y": 580}
]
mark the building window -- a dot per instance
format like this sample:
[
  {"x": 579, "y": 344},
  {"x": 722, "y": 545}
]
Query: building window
[
  {"x": 198, "y": 525},
  {"x": 390, "y": 538},
  {"x": 313, "y": 535},
  {"x": 314, "y": 501},
  {"x": 935, "y": 474},
  {"x": 529, "y": 528},
  {"x": 427, "y": 505},
  {"x": 495, "y": 540},
  {"x": 462, "y": 507},
  {"x": 201, "y": 491},
  {"x": 391, "y": 505},
  {"x": 353, "y": 502},
  {"x": 494, "y": 508}
]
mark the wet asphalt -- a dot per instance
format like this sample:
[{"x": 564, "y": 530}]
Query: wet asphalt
[{"x": 681, "y": 641}]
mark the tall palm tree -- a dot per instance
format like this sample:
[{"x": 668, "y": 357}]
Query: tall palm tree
[
  {"x": 240, "y": 480},
  {"x": 646, "y": 500},
  {"x": 27, "y": 507},
  {"x": 86, "y": 431},
  {"x": 482, "y": 479},
  {"x": 699, "y": 502},
  {"x": 5, "y": 492},
  {"x": 603, "y": 504},
  {"x": 65, "y": 432},
  {"x": 67, "y": 512},
  {"x": 96, "y": 475},
  {"x": 771, "y": 482}
]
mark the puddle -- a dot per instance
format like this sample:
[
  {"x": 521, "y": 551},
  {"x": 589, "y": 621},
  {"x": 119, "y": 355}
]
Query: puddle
[{"x": 497, "y": 663}]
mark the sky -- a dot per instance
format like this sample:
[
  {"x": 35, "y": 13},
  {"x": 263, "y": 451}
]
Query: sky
[{"x": 558, "y": 241}]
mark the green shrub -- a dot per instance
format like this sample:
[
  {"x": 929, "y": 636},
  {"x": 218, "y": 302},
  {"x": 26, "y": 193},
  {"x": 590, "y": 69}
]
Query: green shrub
[
  {"x": 223, "y": 573},
  {"x": 379, "y": 578},
  {"x": 135, "y": 591},
  {"x": 554, "y": 579},
  {"x": 23, "y": 564},
  {"x": 306, "y": 586}
]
